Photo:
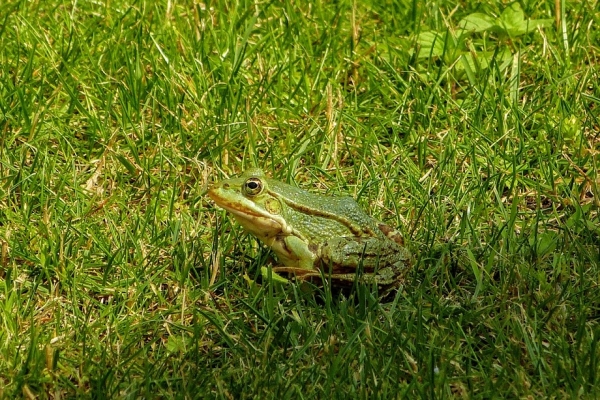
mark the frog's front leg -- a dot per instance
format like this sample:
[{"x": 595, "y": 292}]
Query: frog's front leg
[{"x": 295, "y": 254}]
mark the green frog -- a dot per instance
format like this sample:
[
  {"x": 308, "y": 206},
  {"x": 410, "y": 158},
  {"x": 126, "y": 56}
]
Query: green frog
[{"x": 314, "y": 236}]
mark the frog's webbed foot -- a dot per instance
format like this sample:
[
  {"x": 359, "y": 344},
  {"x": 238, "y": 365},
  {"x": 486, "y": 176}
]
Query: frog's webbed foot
[
  {"x": 296, "y": 271},
  {"x": 264, "y": 271}
]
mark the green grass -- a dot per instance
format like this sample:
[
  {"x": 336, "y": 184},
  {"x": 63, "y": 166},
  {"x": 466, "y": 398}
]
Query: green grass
[{"x": 119, "y": 277}]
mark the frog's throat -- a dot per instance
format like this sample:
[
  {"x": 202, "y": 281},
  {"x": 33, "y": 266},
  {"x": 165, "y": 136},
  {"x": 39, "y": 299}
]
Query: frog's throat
[{"x": 248, "y": 214}]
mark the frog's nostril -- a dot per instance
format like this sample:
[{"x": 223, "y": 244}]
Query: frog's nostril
[{"x": 226, "y": 186}]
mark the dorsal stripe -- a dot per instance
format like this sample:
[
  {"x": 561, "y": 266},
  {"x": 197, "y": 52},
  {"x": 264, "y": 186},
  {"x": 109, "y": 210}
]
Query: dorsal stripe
[{"x": 357, "y": 231}]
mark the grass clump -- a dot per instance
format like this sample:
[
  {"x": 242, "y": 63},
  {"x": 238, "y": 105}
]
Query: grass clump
[{"x": 474, "y": 130}]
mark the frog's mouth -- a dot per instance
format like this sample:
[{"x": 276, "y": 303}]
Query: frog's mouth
[{"x": 254, "y": 219}]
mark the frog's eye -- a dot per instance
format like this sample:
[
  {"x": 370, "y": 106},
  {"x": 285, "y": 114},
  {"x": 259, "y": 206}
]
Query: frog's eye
[{"x": 253, "y": 186}]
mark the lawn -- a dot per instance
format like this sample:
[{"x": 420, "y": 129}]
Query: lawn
[{"x": 474, "y": 129}]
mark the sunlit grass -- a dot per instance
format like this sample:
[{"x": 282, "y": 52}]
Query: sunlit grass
[{"x": 119, "y": 277}]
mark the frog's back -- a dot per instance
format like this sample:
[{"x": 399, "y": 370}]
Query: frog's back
[{"x": 343, "y": 209}]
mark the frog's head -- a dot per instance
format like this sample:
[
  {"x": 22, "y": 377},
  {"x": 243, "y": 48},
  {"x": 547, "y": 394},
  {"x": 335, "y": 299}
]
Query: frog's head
[{"x": 253, "y": 206}]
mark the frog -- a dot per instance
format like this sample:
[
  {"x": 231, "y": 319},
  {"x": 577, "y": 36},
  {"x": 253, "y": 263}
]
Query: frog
[{"x": 314, "y": 236}]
